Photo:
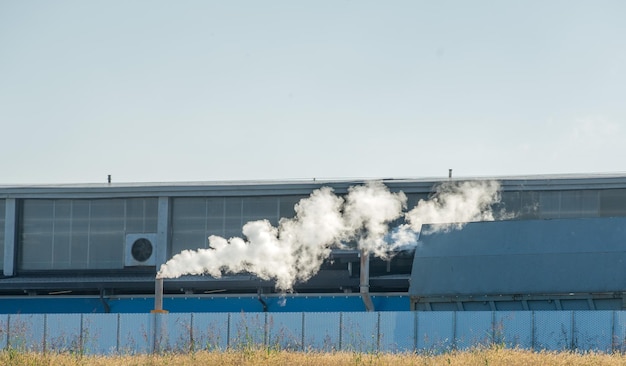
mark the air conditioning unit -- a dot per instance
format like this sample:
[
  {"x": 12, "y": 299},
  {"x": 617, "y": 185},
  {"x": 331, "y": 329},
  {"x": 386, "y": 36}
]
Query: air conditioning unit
[{"x": 140, "y": 250}]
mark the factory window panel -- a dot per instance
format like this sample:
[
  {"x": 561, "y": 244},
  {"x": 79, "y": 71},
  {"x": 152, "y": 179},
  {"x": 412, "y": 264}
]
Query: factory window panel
[
  {"x": 188, "y": 224},
  {"x": 260, "y": 208},
  {"x": 2, "y": 215},
  {"x": 550, "y": 204},
  {"x": 188, "y": 240},
  {"x": 232, "y": 217},
  {"x": 106, "y": 234},
  {"x": 151, "y": 211},
  {"x": 141, "y": 215},
  {"x": 613, "y": 202},
  {"x": 509, "y": 206},
  {"x": 35, "y": 249},
  {"x": 529, "y": 205},
  {"x": 215, "y": 216},
  {"x": 189, "y": 214},
  {"x": 79, "y": 236},
  {"x": 579, "y": 203},
  {"x": 286, "y": 206},
  {"x": 61, "y": 238},
  {"x": 590, "y": 203},
  {"x": 413, "y": 199},
  {"x": 571, "y": 204}
]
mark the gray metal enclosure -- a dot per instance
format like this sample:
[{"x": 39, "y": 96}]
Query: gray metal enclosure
[{"x": 556, "y": 264}]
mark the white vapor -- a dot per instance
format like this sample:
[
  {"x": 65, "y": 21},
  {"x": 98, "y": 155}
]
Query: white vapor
[
  {"x": 455, "y": 204},
  {"x": 295, "y": 250}
]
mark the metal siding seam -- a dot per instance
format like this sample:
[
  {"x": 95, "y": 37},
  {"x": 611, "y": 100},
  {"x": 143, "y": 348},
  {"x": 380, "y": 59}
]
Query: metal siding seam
[
  {"x": 493, "y": 327},
  {"x": 80, "y": 336},
  {"x": 54, "y": 213},
  {"x": 613, "y": 331},
  {"x": 532, "y": 330},
  {"x": 45, "y": 332},
  {"x": 303, "y": 349},
  {"x": 340, "y": 329},
  {"x": 153, "y": 334},
  {"x": 10, "y": 235},
  {"x": 378, "y": 333},
  {"x": 192, "y": 344},
  {"x": 572, "y": 342},
  {"x": 117, "y": 342},
  {"x": 228, "y": 332},
  {"x": 8, "y": 343},
  {"x": 265, "y": 332},
  {"x": 415, "y": 330},
  {"x": 454, "y": 326}
]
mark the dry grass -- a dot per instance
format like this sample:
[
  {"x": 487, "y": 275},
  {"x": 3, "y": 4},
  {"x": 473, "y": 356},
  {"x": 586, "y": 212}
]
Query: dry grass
[{"x": 494, "y": 356}]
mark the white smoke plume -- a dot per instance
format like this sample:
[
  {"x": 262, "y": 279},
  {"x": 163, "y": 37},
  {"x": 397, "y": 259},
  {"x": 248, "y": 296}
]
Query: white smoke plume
[
  {"x": 452, "y": 206},
  {"x": 295, "y": 250},
  {"x": 455, "y": 204},
  {"x": 367, "y": 212}
]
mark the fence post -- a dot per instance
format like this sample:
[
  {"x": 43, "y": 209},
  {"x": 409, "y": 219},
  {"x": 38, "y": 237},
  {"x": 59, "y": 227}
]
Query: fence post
[
  {"x": 157, "y": 332},
  {"x": 415, "y": 330},
  {"x": 266, "y": 329},
  {"x": 192, "y": 343},
  {"x": 573, "y": 333},
  {"x": 340, "y": 331},
  {"x": 228, "y": 332},
  {"x": 81, "y": 340},
  {"x": 153, "y": 334},
  {"x": 303, "y": 348},
  {"x": 454, "y": 343},
  {"x": 45, "y": 332},
  {"x": 493, "y": 327},
  {"x": 118, "y": 331},
  {"x": 532, "y": 330},
  {"x": 8, "y": 343},
  {"x": 613, "y": 331},
  {"x": 378, "y": 333}
]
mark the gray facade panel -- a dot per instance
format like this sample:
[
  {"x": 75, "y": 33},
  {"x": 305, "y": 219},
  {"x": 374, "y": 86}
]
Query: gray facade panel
[
  {"x": 523, "y": 257},
  {"x": 194, "y": 219},
  {"x": 80, "y": 234},
  {"x": 2, "y": 231}
]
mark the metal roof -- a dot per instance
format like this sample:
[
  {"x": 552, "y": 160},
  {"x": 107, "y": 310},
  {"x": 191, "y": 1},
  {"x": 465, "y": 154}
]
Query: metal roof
[{"x": 299, "y": 186}]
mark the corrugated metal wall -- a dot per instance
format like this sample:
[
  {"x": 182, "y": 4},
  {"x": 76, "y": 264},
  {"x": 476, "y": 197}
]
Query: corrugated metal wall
[
  {"x": 214, "y": 304},
  {"x": 425, "y": 332},
  {"x": 558, "y": 256}
]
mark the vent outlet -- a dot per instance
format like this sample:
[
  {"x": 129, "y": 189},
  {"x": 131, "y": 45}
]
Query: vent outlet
[{"x": 140, "y": 250}]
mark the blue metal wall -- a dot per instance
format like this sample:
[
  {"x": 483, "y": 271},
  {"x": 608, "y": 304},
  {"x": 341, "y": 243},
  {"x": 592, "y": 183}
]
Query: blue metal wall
[
  {"x": 299, "y": 303},
  {"x": 428, "y": 332}
]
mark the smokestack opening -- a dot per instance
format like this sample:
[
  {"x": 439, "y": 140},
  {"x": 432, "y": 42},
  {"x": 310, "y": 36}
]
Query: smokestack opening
[{"x": 158, "y": 297}]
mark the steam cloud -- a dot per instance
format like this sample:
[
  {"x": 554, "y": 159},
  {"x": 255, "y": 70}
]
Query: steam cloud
[{"x": 295, "y": 250}]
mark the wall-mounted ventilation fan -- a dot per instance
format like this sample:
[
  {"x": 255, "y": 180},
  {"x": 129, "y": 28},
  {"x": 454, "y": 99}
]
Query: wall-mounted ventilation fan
[{"x": 140, "y": 250}]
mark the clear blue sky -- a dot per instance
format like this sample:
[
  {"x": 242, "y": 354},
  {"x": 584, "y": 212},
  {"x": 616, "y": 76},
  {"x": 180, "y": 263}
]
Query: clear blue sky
[{"x": 221, "y": 90}]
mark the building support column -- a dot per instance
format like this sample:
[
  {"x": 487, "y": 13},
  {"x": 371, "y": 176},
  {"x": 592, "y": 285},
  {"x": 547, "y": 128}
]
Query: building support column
[
  {"x": 163, "y": 231},
  {"x": 10, "y": 236}
]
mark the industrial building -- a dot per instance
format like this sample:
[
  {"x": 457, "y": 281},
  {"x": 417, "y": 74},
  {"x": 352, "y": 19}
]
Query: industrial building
[{"x": 557, "y": 242}]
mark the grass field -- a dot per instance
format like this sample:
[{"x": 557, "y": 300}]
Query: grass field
[{"x": 482, "y": 357}]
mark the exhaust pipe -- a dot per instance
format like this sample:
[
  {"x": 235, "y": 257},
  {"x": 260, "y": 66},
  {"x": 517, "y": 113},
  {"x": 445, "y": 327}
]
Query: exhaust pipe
[
  {"x": 365, "y": 281},
  {"x": 158, "y": 296}
]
